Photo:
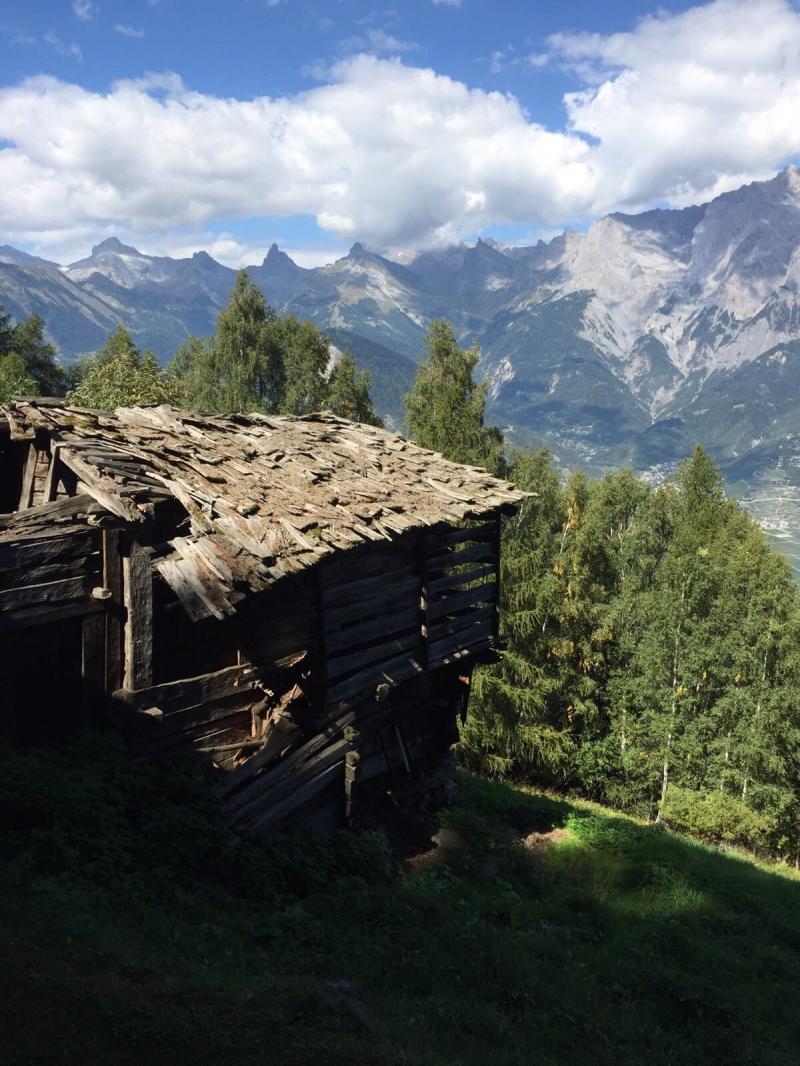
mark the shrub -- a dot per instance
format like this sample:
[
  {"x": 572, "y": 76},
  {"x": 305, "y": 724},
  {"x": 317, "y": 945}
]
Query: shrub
[{"x": 716, "y": 816}]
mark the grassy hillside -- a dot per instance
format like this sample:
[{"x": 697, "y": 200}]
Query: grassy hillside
[{"x": 538, "y": 931}]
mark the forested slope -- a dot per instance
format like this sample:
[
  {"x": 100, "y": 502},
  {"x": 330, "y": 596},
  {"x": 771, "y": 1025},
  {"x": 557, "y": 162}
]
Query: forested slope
[{"x": 653, "y": 657}]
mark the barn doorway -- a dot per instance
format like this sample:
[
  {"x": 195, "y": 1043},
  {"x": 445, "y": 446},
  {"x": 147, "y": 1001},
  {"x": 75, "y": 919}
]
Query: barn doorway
[{"x": 41, "y": 675}]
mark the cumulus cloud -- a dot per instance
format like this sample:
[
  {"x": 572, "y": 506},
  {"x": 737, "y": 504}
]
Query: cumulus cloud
[
  {"x": 387, "y": 153},
  {"x": 686, "y": 106},
  {"x": 680, "y": 108}
]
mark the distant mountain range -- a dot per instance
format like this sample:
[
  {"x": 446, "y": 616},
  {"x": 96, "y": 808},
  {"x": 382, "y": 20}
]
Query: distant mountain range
[{"x": 624, "y": 343}]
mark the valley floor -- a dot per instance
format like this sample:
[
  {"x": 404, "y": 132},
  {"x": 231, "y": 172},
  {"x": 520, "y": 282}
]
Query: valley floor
[{"x": 538, "y": 931}]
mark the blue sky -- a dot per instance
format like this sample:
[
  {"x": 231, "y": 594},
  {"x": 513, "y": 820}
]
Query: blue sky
[{"x": 181, "y": 125}]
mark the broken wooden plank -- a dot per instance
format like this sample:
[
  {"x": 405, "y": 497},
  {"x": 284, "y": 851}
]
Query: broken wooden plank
[
  {"x": 302, "y": 795},
  {"x": 191, "y": 692},
  {"x": 103, "y": 489},
  {"x": 252, "y": 784},
  {"x": 138, "y": 639},
  {"x": 364, "y": 684},
  {"x": 28, "y": 474}
]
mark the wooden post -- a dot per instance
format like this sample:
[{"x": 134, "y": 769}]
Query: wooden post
[
  {"x": 93, "y": 674},
  {"x": 28, "y": 476},
  {"x": 351, "y": 761},
  {"x": 115, "y": 609},
  {"x": 138, "y": 585},
  {"x": 496, "y": 541},
  {"x": 319, "y": 663},
  {"x": 424, "y": 598},
  {"x": 50, "y": 489}
]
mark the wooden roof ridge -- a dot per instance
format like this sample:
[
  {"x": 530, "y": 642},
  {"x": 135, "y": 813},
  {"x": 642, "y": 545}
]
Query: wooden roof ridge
[{"x": 265, "y": 495}]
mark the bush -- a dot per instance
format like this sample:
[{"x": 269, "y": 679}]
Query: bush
[{"x": 717, "y": 817}]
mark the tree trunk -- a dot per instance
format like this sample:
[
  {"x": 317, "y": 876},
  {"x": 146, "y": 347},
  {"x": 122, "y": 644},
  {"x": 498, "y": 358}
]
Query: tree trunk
[
  {"x": 756, "y": 716},
  {"x": 672, "y": 713}
]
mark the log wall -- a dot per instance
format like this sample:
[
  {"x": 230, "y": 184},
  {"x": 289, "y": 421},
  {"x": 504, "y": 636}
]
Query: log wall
[{"x": 345, "y": 683}]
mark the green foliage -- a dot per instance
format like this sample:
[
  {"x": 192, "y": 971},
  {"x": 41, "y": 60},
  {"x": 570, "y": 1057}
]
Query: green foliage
[
  {"x": 89, "y": 814},
  {"x": 27, "y": 361},
  {"x": 349, "y": 392},
  {"x": 445, "y": 408},
  {"x": 14, "y": 378},
  {"x": 653, "y": 644},
  {"x": 540, "y": 925},
  {"x": 119, "y": 375},
  {"x": 241, "y": 367},
  {"x": 715, "y": 816},
  {"x": 258, "y": 361}
]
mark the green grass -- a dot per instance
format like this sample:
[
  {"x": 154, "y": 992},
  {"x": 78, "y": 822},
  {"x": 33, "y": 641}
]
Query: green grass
[{"x": 540, "y": 931}]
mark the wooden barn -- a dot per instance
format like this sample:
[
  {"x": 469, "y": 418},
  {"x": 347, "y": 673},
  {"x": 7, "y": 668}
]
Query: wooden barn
[{"x": 299, "y": 601}]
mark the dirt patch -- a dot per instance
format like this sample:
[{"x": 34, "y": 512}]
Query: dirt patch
[
  {"x": 445, "y": 847},
  {"x": 538, "y": 843}
]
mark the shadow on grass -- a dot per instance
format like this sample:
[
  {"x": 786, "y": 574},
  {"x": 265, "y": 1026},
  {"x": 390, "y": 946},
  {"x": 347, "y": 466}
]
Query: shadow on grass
[{"x": 143, "y": 931}]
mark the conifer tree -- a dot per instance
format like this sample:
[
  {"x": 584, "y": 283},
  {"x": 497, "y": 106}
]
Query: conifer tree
[
  {"x": 510, "y": 728},
  {"x": 445, "y": 408}
]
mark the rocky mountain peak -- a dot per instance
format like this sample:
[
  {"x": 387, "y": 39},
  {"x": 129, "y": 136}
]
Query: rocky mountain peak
[
  {"x": 114, "y": 244},
  {"x": 275, "y": 259}
]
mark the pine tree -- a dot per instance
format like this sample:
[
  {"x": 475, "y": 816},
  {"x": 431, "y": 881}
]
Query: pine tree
[
  {"x": 445, "y": 408},
  {"x": 510, "y": 728}
]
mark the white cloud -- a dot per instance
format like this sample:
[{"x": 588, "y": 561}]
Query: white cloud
[
  {"x": 448, "y": 3},
  {"x": 129, "y": 31},
  {"x": 688, "y": 105},
  {"x": 62, "y": 48},
  {"x": 387, "y": 153},
  {"x": 680, "y": 108},
  {"x": 85, "y": 10}
]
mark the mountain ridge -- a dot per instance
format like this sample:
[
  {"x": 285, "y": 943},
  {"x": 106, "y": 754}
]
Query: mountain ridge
[{"x": 589, "y": 342}]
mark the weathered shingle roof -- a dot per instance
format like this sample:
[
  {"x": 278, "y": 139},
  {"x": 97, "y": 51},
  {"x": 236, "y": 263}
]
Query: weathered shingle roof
[{"x": 265, "y": 495}]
